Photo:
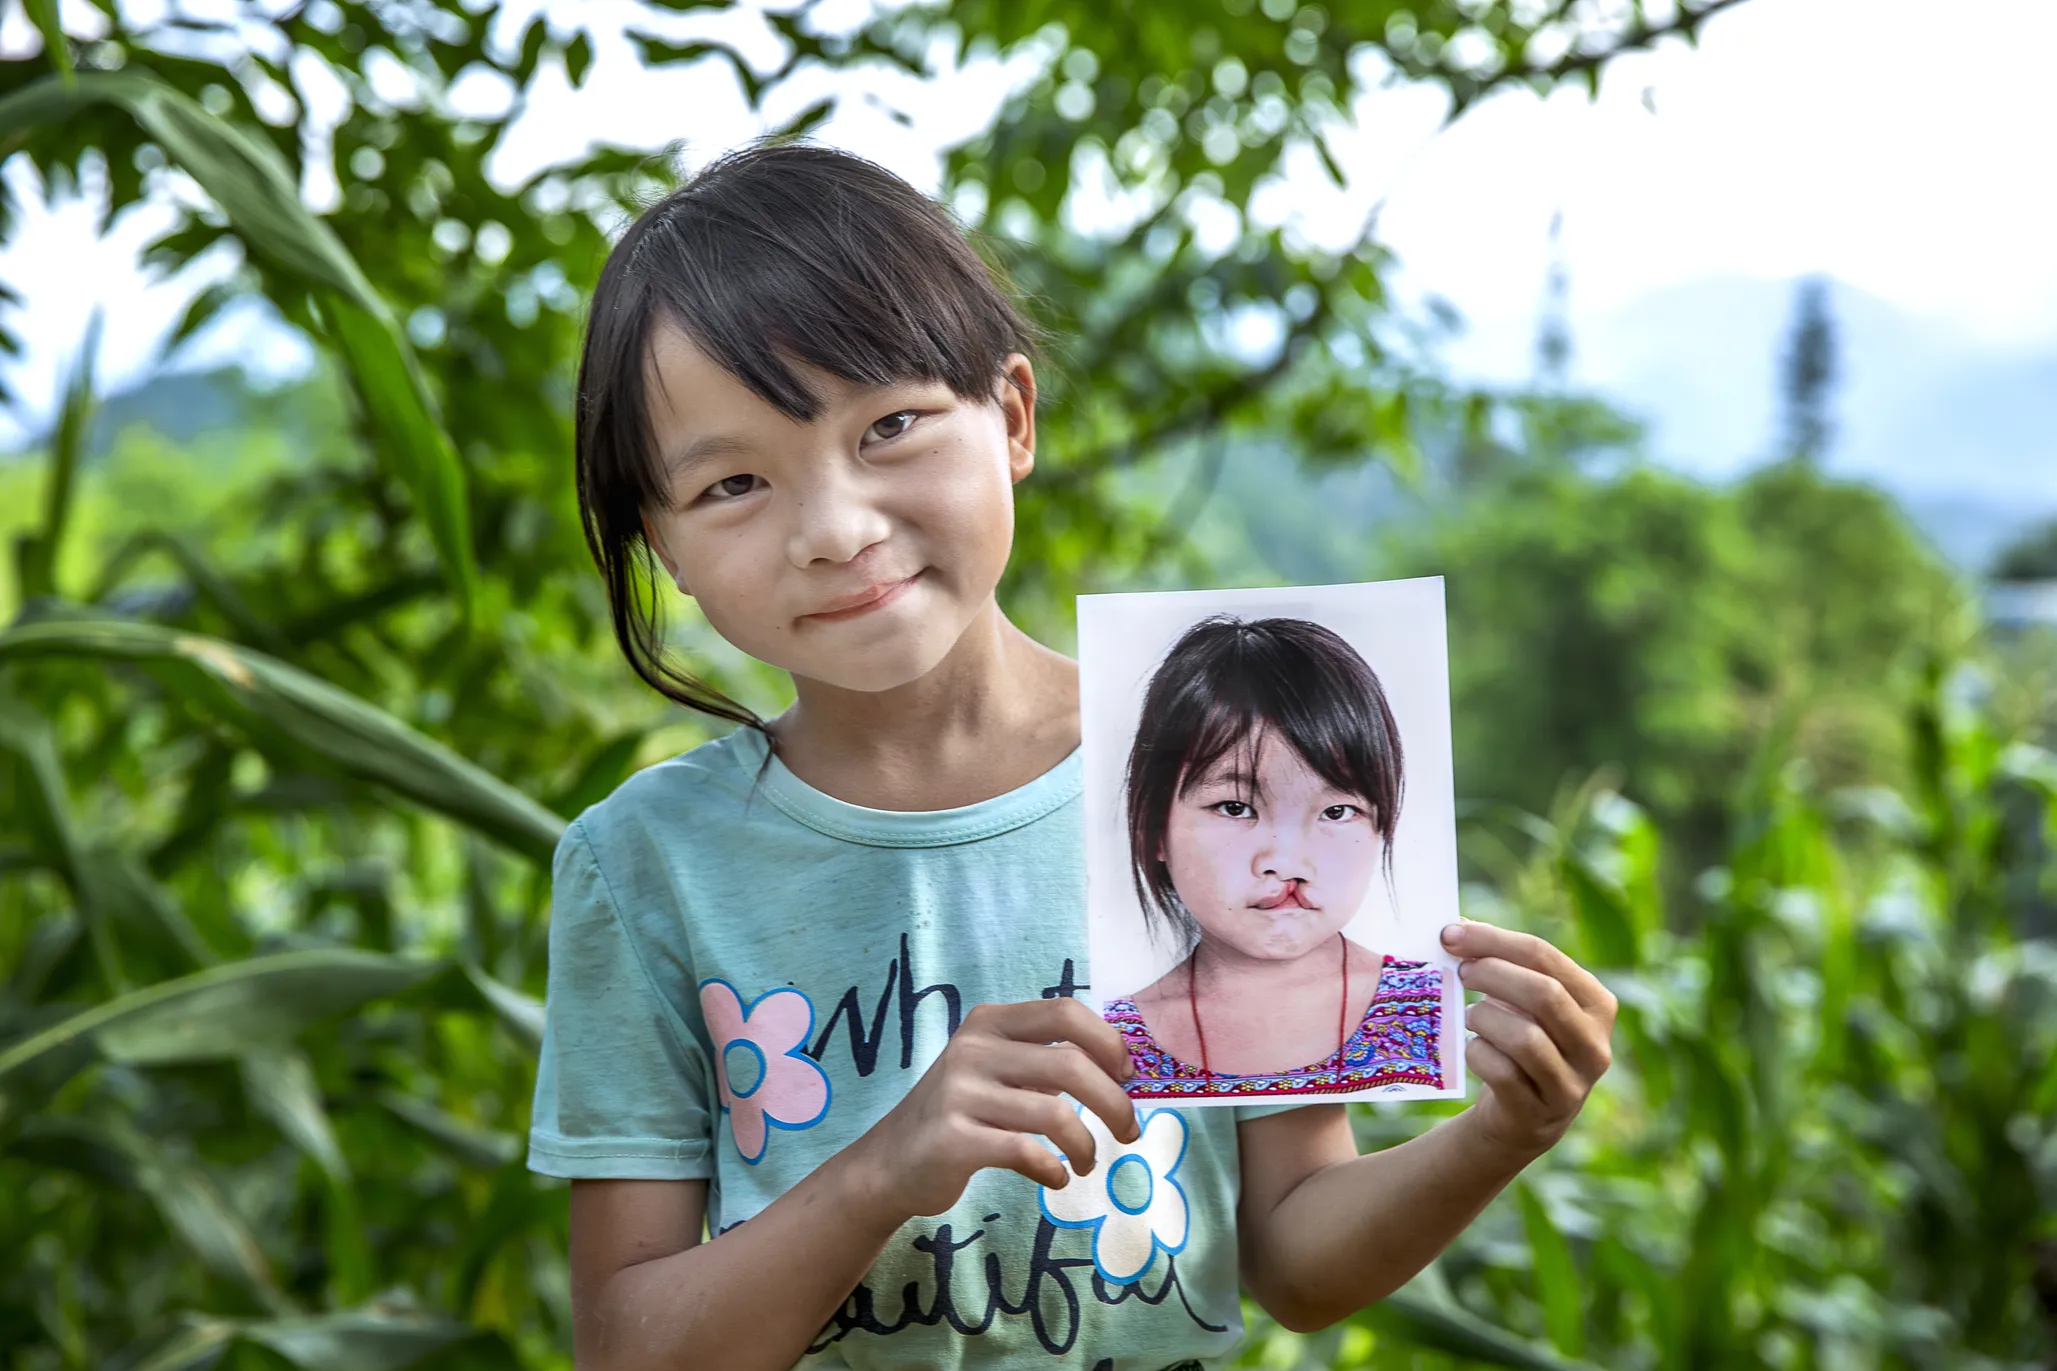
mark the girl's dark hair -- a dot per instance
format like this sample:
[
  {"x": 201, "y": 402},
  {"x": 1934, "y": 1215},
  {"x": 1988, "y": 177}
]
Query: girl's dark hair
[
  {"x": 774, "y": 253},
  {"x": 1222, "y": 685}
]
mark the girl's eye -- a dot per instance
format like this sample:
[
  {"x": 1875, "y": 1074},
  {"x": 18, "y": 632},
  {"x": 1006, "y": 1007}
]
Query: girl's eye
[
  {"x": 1232, "y": 809},
  {"x": 898, "y": 422},
  {"x": 732, "y": 487},
  {"x": 1340, "y": 812}
]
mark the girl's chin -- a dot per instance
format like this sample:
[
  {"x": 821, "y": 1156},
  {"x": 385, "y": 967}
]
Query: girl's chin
[
  {"x": 1285, "y": 949},
  {"x": 871, "y": 672}
]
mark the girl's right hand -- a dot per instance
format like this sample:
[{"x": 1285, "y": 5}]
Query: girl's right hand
[{"x": 984, "y": 1101}]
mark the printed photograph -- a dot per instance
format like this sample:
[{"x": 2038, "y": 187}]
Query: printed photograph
[{"x": 1271, "y": 841}]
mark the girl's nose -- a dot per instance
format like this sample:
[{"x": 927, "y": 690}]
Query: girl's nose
[
  {"x": 1281, "y": 854},
  {"x": 832, "y": 521}
]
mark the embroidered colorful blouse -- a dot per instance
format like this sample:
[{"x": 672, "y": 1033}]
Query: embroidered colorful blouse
[{"x": 1395, "y": 1044}]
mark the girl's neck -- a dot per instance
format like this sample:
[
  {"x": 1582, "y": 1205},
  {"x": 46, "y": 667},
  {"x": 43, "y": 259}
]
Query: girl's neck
[
  {"x": 1257, "y": 980},
  {"x": 997, "y": 712}
]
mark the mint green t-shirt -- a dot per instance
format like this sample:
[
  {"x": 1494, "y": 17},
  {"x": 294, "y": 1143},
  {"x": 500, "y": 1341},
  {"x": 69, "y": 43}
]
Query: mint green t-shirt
[{"x": 747, "y": 973}]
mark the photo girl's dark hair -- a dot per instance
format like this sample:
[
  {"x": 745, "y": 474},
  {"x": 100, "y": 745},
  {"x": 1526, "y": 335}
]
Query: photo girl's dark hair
[
  {"x": 774, "y": 254},
  {"x": 1221, "y": 688}
]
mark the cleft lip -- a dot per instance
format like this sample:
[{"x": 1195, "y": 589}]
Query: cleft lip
[{"x": 1294, "y": 893}]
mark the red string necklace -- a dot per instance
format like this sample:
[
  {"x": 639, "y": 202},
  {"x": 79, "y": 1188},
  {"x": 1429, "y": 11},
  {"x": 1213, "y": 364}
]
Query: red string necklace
[{"x": 1342, "y": 1010}]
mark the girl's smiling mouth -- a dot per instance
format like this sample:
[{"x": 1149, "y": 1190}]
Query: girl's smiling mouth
[{"x": 851, "y": 606}]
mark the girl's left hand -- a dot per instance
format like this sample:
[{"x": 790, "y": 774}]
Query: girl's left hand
[{"x": 1542, "y": 1033}]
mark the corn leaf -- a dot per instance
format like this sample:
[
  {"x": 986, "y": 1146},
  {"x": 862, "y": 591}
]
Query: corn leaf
[
  {"x": 301, "y": 719},
  {"x": 217, "y": 1014},
  {"x": 1557, "y": 1279},
  {"x": 1441, "y": 1325},
  {"x": 349, "y": 1341},
  {"x": 279, "y": 1084},
  {"x": 261, "y": 198}
]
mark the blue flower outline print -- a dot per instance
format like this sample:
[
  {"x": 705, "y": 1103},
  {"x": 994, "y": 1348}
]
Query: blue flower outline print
[{"x": 1127, "y": 1237}]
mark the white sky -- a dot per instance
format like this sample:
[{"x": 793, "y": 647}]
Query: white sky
[{"x": 1892, "y": 144}]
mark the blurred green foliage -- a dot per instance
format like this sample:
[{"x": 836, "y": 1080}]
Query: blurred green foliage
[{"x": 289, "y": 716}]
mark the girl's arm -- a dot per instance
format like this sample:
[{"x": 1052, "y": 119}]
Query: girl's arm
[
  {"x": 649, "y": 1295},
  {"x": 647, "y": 1292},
  {"x": 1324, "y": 1232}
]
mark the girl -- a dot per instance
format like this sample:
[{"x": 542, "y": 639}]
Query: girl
[
  {"x": 812, "y": 1053},
  {"x": 1263, "y": 790}
]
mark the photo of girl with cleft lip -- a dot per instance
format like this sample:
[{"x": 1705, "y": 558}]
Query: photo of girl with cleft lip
[{"x": 1262, "y": 792}]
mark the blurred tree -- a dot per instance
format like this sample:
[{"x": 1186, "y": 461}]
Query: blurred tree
[
  {"x": 1553, "y": 326},
  {"x": 1606, "y": 613},
  {"x": 2031, "y": 557},
  {"x": 1808, "y": 371}
]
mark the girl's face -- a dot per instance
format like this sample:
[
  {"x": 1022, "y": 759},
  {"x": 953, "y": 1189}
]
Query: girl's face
[
  {"x": 853, "y": 550},
  {"x": 1274, "y": 864}
]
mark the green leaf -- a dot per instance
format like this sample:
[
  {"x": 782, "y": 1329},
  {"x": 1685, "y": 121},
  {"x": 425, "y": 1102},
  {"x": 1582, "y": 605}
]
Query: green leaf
[
  {"x": 208, "y": 583},
  {"x": 302, "y": 718},
  {"x": 517, "y": 1207},
  {"x": 189, "y": 1349},
  {"x": 807, "y": 120},
  {"x": 349, "y": 1341},
  {"x": 1557, "y": 1278},
  {"x": 389, "y": 382},
  {"x": 246, "y": 177},
  {"x": 1441, "y": 1325},
  {"x": 43, "y": 14},
  {"x": 359, "y": 1341},
  {"x": 279, "y": 1084},
  {"x": 522, "y": 1014},
  {"x": 39, "y": 551},
  {"x": 192, "y": 1206},
  {"x": 1604, "y": 919},
  {"x": 216, "y": 1014},
  {"x": 578, "y": 58},
  {"x": 476, "y": 1146},
  {"x": 532, "y": 40}
]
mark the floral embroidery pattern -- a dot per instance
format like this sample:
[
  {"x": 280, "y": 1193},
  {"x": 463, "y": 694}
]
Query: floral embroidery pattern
[
  {"x": 786, "y": 1089},
  {"x": 1132, "y": 1201},
  {"x": 1397, "y": 1043}
]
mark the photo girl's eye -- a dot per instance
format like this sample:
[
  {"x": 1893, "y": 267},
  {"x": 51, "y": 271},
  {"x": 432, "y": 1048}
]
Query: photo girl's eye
[
  {"x": 1233, "y": 809},
  {"x": 1340, "y": 812}
]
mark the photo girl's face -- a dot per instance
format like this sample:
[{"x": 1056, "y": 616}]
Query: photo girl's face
[
  {"x": 1270, "y": 859},
  {"x": 854, "y": 549}
]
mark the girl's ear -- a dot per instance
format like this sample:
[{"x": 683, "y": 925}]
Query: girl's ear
[
  {"x": 671, "y": 567},
  {"x": 1017, "y": 396}
]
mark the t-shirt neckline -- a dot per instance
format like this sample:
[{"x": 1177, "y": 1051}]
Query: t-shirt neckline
[{"x": 826, "y": 814}]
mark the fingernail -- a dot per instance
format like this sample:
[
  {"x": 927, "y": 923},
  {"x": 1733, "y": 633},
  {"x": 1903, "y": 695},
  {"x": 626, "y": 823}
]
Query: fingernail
[{"x": 1452, "y": 934}]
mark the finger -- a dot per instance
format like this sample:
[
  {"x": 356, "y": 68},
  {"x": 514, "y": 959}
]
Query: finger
[
  {"x": 1029, "y": 1112},
  {"x": 1064, "y": 1068},
  {"x": 1545, "y": 1001},
  {"x": 1065, "y": 1020},
  {"x": 1499, "y": 1071},
  {"x": 1472, "y": 939},
  {"x": 1524, "y": 1040},
  {"x": 1020, "y": 1152}
]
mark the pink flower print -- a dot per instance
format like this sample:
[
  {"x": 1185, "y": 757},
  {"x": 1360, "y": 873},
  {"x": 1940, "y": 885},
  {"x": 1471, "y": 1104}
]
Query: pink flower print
[{"x": 767, "y": 1079}]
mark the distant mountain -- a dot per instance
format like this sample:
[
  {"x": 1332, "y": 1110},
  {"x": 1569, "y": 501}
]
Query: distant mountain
[
  {"x": 1963, "y": 432},
  {"x": 182, "y": 406}
]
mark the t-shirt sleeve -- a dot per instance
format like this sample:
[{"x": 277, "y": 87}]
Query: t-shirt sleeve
[{"x": 621, "y": 1085}]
